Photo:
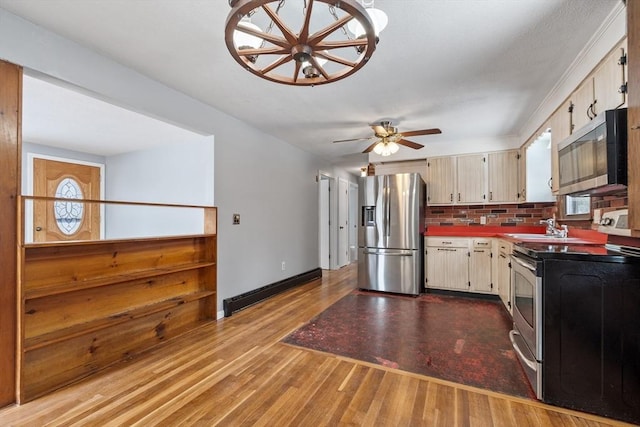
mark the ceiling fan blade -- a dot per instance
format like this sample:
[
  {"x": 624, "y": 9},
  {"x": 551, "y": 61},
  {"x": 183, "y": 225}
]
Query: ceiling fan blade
[
  {"x": 370, "y": 148},
  {"x": 353, "y": 139},
  {"x": 380, "y": 131},
  {"x": 422, "y": 132},
  {"x": 410, "y": 144}
]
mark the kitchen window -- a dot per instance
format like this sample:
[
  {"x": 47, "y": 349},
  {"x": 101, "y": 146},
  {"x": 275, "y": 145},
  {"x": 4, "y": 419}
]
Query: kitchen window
[{"x": 577, "y": 206}]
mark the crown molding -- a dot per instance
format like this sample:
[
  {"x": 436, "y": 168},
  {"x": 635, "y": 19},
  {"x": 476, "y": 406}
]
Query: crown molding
[{"x": 608, "y": 35}]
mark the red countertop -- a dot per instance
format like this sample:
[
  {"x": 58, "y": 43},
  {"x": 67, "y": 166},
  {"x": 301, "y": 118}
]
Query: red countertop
[{"x": 589, "y": 236}]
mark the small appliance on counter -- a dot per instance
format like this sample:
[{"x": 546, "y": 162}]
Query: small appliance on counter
[
  {"x": 576, "y": 325},
  {"x": 390, "y": 241}
]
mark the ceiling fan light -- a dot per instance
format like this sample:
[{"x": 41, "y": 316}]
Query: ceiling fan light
[
  {"x": 244, "y": 40},
  {"x": 378, "y": 149},
  {"x": 393, "y": 147}
]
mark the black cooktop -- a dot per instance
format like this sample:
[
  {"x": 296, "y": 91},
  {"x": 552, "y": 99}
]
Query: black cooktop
[{"x": 603, "y": 253}]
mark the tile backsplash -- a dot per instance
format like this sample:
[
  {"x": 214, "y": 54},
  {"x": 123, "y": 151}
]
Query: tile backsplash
[{"x": 506, "y": 215}]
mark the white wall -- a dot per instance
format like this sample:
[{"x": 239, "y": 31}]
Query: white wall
[
  {"x": 181, "y": 173},
  {"x": 270, "y": 183}
]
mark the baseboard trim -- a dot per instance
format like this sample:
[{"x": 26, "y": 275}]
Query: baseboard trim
[{"x": 237, "y": 303}]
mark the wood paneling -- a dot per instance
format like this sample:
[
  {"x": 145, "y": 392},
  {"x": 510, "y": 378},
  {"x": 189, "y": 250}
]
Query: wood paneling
[
  {"x": 10, "y": 116},
  {"x": 88, "y": 305},
  {"x": 237, "y": 372},
  {"x": 633, "y": 103}
]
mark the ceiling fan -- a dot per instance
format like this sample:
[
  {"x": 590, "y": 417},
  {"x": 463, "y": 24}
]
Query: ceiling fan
[{"x": 388, "y": 138}]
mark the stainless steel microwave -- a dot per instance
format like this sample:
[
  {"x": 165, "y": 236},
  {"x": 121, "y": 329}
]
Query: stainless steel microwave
[{"x": 593, "y": 160}]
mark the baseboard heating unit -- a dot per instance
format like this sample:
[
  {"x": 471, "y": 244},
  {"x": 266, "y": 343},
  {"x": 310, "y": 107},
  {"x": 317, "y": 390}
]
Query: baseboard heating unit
[{"x": 237, "y": 303}]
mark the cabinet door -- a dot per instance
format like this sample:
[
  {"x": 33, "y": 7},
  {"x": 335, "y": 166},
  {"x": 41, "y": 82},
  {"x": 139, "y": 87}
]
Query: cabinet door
[
  {"x": 480, "y": 270},
  {"x": 522, "y": 175},
  {"x": 560, "y": 124},
  {"x": 582, "y": 100},
  {"x": 447, "y": 268},
  {"x": 503, "y": 176},
  {"x": 471, "y": 179},
  {"x": 441, "y": 181},
  {"x": 504, "y": 280},
  {"x": 607, "y": 80}
]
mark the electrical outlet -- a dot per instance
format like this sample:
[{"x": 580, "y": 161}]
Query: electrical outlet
[
  {"x": 283, "y": 266},
  {"x": 236, "y": 219},
  {"x": 483, "y": 220}
]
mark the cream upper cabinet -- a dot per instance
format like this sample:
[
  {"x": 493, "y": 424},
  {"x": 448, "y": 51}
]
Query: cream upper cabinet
[
  {"x": 560, "y": 124},
  {"x": 391, "y": 168},
  {"x": 471, "y": 179},
  {"x": 608, "y": 79},
  {"x": 522, "y": 175},
  {"x": 441, "y": 180},
  {"x": 504, "y": 179},
  {"x": 582, "y": 100},
  {"x": 601, "y": 90}
]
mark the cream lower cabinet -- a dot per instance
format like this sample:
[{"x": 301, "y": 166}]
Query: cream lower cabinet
[
  {"x": 460, "y": 264},
  {"x": 480, "y": 255},
  {"x": 503, "y": 273},
  {"x": 446, "y": 263}
]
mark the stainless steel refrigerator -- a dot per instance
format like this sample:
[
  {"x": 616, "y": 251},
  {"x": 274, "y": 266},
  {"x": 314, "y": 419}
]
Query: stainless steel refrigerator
[{"x": 390, "y": 241}]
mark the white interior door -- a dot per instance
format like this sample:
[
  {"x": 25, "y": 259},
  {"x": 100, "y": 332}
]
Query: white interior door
[
  {"x": 325, "y": 219},
  {"x": 353, "y": 222},
  {"x": 343, "y": 222}
]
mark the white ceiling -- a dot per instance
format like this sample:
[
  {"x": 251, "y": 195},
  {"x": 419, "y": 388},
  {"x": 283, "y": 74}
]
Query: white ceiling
[{"x": 477, "y": 69}]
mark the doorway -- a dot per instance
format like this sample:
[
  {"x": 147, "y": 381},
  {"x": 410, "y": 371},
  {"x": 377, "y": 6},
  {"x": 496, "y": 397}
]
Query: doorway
[
  {"x": 343, "y": 222},
  {"x": 324, "y": 226},
  {"x": 353, "y": 222}
]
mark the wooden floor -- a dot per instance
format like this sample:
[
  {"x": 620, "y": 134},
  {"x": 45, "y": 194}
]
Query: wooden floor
[{"x": 237, "y": 372}]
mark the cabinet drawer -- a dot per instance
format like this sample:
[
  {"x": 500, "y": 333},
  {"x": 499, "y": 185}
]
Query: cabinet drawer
[
  {"x": 505, "y": 247},
  {"x": 481, "y": 243},
  {"x": 450, "y": 242}
]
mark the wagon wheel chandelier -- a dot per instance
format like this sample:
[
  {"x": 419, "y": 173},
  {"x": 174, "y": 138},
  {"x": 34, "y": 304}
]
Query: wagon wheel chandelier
[{"x": 303, "y": 43}]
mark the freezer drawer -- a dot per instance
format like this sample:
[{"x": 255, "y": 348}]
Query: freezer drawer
[{"x": 390, "y": 270}]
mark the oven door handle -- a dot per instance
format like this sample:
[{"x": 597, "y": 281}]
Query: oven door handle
[
  {"x": 529, "y": 363},
  {"x": 524, "y": 264}
]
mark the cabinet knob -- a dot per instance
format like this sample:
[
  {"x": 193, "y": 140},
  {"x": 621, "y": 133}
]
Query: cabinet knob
[
  {"x": 635, "y": 127},
  {"x": 38, "y": 228}
]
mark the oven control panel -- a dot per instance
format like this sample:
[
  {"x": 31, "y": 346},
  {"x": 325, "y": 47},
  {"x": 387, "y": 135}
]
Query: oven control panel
[{"x": 615, "y": 222}]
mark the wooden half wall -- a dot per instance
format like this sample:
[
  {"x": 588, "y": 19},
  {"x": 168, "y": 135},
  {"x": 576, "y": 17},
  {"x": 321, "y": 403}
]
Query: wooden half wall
[{"x": 10, "y": 125}]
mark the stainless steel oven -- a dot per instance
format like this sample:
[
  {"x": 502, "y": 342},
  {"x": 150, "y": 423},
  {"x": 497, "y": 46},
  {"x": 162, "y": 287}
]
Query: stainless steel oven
[{"x": 526, "y": 336}]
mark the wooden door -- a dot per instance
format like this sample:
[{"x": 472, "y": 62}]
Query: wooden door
[
  {"x": 10, "y": 146},
  {"x": 56, "y": 221}
]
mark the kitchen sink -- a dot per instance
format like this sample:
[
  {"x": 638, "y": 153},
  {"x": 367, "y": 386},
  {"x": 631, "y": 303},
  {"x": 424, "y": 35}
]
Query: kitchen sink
[{"x": 545, "y": 238}]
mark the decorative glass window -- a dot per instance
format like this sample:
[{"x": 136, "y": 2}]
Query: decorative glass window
[{"x": 68, "y": 214}]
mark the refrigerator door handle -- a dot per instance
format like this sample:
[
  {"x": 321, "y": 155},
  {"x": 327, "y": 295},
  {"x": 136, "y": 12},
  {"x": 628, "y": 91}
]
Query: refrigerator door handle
[
  {"x": 387, "y": 207},
  {"x": 388, "y": 253}
]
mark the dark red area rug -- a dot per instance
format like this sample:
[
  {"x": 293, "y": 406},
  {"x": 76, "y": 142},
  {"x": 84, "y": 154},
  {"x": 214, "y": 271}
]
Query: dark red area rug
[{"x": 459, "y": 339}]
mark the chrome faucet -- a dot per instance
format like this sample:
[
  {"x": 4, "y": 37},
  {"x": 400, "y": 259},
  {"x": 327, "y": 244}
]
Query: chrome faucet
[{"x": 561, "y": 232}]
